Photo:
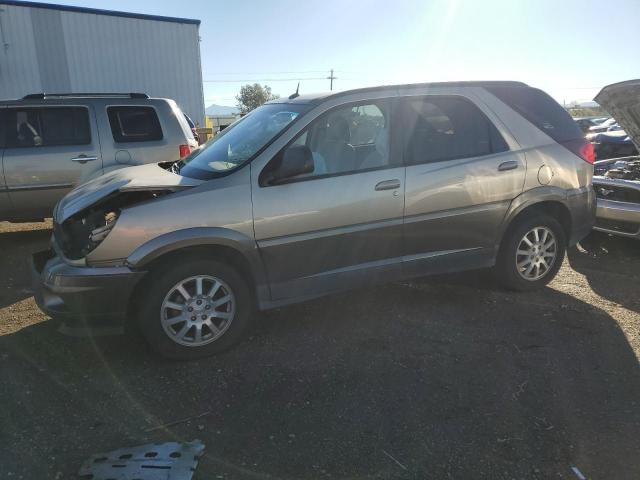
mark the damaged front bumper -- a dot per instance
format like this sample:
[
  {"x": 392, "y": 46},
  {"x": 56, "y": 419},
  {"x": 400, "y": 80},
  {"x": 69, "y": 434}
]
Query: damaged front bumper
[{"x": 86, "y": 299}]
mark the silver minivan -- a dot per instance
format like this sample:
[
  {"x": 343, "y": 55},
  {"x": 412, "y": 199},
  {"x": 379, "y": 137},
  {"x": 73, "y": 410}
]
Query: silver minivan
[
  {"x": 310, "y": 195},
  {"x": 50, "y": 143}
]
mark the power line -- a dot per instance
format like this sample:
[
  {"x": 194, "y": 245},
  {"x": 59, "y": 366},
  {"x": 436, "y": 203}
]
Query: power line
[
  {"x": 268, "y": 73},
  {"x": 239, "y": 80}
]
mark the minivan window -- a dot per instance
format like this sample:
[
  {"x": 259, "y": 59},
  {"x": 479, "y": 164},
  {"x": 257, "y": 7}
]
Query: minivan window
[
  {"x": 44, "y": 127},
  {"x": 346, "y": 139},
  {"x": 241, "y": 141},
  {"x": 367, "y": 121},
  {"x": 541, "y": 110},
  {"x": 134, "y": 124},
  {"x": 438, "y": 128}
]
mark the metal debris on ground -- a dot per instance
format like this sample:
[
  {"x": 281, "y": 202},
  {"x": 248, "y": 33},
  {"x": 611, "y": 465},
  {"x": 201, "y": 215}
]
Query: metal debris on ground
[
  {"x": 578, "y": 473},
  {"x": 154, "y": 461},
  {"x": 176, "y": 422},
  {"x": 394, "y": 459}
]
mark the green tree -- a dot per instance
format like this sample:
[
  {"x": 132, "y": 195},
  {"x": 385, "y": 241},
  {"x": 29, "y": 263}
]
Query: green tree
[{"x": 252, "y": 96}]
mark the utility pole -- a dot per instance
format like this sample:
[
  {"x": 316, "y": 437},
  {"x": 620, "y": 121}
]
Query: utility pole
[{"x": 331, "y": 78}]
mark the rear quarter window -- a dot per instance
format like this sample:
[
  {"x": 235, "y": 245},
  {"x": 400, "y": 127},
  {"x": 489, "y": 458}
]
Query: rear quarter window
[
  {"x": 134, "y": 124},
  {"x": 541, "y": 110}
]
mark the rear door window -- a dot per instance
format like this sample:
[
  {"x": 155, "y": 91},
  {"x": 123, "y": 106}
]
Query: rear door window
[
  {"x": 134, "y": 124},
  {"x": 541, "y": 110},
  {"x": 46, "y": 127},
  {"x": 438, "y": 128}
]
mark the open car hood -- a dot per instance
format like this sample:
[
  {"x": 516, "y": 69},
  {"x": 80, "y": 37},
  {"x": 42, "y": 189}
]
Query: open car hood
[
  {"x": 144, "y": 177},
  {"x": 622, "y": 101}
]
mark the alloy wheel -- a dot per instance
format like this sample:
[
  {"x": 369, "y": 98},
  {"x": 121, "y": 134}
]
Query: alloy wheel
[
  {"x": 536, "y": 253},
  {"x": 198, "y": 310}
]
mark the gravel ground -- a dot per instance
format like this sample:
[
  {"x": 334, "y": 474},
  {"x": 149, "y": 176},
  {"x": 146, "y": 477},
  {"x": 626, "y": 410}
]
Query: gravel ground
[{"x": 446, "y": 377}]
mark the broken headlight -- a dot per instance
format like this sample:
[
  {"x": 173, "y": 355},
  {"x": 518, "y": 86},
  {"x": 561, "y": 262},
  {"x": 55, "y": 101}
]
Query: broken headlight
[
  {"x": 81, "y": 233},
  {"x": 98, "y": 234},
  {"x": 78, "y": 236}
]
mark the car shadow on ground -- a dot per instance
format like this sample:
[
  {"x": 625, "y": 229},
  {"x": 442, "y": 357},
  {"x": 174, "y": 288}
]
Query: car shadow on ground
[
  {"x": 439, "y": 378},
  {"x": 604, "y": 260},
  {"x": 16, "y": 248}
]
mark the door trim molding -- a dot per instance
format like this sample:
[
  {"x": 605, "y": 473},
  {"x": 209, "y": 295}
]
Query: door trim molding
[
  {"x": 330, "y": 232},
  {"x": 437, "y": 253},
  {"x": 51, "y": 186},
  {"x": 391, "y": 261},
  {"x": 421, "y": 217}
]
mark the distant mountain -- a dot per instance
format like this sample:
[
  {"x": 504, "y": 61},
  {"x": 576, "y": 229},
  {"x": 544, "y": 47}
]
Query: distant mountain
[{"x": 220, "y": 110}]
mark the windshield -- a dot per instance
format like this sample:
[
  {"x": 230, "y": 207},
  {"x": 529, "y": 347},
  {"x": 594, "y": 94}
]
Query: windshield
[{"x": 240, "y": 142}]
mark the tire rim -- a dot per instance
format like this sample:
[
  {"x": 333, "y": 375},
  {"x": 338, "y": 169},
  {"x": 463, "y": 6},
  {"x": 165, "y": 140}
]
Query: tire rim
[
  {"x": 536, "y": 253},
  {"x": 198, "y": 310}
]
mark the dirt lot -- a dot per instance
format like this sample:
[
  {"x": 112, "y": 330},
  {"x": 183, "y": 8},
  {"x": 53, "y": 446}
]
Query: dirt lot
[{"x": 447, "y": 377}]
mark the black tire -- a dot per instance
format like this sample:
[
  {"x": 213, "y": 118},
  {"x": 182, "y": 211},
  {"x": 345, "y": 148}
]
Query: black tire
[
  {"x": 506, "y": 269},
  {"x": 161, "y": 281}
]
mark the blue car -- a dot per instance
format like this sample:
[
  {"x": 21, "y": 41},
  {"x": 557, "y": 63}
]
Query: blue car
[{"x": 613, "y": 144}]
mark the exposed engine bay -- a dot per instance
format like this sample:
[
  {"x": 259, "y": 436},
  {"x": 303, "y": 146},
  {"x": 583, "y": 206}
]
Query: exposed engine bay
[
  {"x": 618, "y": 179},
  {"x": 81, "y": 233},
  {"x": 626, "y": 169}
]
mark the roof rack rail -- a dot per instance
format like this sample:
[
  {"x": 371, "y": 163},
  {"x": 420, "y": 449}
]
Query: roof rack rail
[{"x": 42, "y": 96}]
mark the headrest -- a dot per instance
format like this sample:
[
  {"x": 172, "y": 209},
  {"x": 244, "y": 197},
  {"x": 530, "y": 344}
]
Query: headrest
[{"x": 338, "y": 130}]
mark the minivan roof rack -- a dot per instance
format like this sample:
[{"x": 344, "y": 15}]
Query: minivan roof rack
[{"x": 42, "y": 96}]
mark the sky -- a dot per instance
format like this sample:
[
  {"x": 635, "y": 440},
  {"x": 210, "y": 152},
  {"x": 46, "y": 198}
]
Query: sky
[{"x": 569, "y": 48}]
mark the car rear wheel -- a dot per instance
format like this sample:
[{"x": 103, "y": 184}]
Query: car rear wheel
[
  {"x": 531, "y": 253},
  {"x": 195, "y": 308}
]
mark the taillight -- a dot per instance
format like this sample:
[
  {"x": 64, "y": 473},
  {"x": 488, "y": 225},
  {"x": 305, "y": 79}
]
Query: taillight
[
  {"x": 184, "y": 150},
  {"x": 588, "y": 153},
  {"x": 581, "y": 148}
]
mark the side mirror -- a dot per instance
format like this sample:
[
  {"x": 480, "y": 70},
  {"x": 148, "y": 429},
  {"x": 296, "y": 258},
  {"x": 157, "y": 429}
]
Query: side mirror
[{"x": 296, "y": 160}]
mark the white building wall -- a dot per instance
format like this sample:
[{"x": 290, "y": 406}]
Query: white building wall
[
  {"x": 18, "y": 69},
  {"x": 63, "y": 51}
]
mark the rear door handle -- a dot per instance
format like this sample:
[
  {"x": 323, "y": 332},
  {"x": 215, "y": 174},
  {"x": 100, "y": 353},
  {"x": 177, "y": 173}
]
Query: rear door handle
[
  {"x": 510, "y": 165},
  {"x": 83, "y": 159},
  {"x": 388, "y": 184}
]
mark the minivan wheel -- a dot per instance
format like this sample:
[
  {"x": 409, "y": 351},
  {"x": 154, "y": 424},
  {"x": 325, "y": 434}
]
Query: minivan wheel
[
  {"x": 531, "y": 253},
  {"x": 195, "y": 308}
]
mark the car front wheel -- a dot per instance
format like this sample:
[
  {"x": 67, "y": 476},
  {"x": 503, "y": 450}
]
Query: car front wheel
[{"x": 195, "y": 308}]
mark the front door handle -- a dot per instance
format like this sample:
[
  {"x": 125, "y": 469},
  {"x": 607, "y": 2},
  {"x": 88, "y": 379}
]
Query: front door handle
[
  {"x": 388, "y": 184},
  {"x": 83, "y": 159},
  {"x": 510, "y": 165}
]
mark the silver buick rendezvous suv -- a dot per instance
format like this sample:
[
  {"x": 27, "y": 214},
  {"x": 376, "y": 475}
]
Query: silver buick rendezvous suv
[{"x": 310, "y": 195}]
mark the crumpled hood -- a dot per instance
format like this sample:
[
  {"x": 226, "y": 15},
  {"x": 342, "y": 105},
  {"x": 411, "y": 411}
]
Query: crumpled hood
[
  {"x": 143, "y": 177},
  {"x": 622, "y": 101}
]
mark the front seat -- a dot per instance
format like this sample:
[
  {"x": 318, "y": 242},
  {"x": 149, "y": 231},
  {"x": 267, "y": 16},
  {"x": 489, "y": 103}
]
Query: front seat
[
  {"x": 380, "y": 156},
  {"x": 338, "y": 154}
]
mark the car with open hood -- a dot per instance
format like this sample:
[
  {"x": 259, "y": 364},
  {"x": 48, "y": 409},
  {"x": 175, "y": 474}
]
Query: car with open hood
[
  {"x": 617, "y": 180},
  {"x": 315, "y": 194}
]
